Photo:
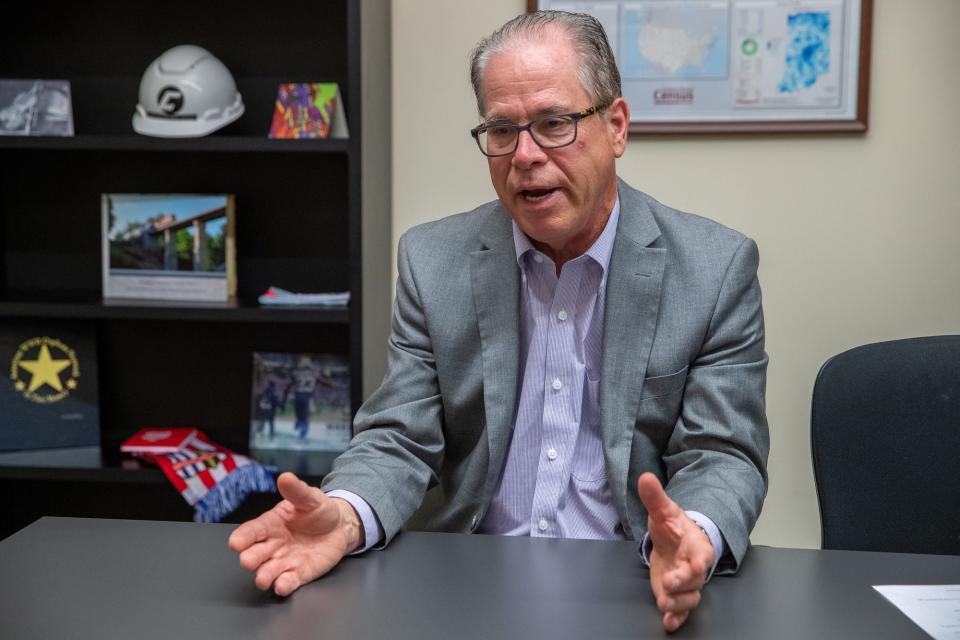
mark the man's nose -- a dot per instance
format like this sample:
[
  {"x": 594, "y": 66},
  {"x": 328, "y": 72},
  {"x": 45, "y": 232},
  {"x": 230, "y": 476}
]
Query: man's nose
[{"x": 528, "y": 152}]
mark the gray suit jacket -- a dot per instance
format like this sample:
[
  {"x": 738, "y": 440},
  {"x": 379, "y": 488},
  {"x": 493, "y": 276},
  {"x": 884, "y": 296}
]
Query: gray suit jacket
[{"x": 682, "y": 382}]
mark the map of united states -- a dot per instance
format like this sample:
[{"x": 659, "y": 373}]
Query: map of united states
[{"x": 674, "y": 41}]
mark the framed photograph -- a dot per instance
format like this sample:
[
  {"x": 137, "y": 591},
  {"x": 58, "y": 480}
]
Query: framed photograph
[
  {"x": 35, "y": 108},
  {"x": 300, "y": 402},
  {"x": 169, "y": 247},
  {"x": 690, "y": 66}
]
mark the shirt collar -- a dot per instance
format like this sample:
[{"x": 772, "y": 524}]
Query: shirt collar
[{"x": 599, "y": 251}]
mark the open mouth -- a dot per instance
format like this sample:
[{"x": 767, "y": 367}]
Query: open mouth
[{"x": 535, "y": 195}]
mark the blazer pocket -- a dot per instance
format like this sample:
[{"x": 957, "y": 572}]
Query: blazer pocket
[
  {"x": 659, "y": 406},
  {"x": 659, "y": 386}
]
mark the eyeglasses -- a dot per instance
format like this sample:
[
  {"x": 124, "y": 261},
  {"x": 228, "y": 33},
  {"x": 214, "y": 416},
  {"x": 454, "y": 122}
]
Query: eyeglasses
[{"x": 550, "y": 132}]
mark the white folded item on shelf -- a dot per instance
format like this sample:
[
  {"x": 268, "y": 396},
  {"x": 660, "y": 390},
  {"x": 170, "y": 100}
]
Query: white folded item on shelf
[{"x": 276, "y": 296}]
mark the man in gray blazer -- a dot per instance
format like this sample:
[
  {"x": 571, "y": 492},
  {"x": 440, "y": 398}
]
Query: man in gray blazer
[{"x": 556, "y": 357}]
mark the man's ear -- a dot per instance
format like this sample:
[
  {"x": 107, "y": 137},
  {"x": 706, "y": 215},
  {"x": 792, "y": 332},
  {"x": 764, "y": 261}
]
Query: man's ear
[{"x": 618, "y": 121}]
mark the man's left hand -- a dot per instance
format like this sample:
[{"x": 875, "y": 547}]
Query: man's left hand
[{"x": 681, "y": 557}]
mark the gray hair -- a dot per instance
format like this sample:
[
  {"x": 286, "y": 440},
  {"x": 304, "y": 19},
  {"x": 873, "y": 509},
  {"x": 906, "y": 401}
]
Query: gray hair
[{"x": 597, "y": 68}]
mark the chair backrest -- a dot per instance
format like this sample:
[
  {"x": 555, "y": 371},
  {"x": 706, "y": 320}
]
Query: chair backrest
[{"x": 885, "y": 436}]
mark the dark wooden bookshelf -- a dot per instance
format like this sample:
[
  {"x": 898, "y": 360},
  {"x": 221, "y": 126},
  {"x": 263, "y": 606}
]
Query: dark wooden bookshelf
[
  {"x": 134, "y": 142},
  {"x": 299, "y": 217},
  {"x": 172, "y": 310}
]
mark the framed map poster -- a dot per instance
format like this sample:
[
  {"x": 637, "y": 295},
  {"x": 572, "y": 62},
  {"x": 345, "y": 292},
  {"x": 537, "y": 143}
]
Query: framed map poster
[{"x": 690, "y": 66}]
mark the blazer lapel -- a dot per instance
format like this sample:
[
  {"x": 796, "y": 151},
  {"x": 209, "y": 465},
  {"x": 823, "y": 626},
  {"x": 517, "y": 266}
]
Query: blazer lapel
[
  {"x": 495, "y": 278},
  {"x": 632, "y": 304}
]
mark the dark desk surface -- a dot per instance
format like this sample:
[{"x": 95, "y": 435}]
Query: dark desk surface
[{"x": 105, "y": 579}]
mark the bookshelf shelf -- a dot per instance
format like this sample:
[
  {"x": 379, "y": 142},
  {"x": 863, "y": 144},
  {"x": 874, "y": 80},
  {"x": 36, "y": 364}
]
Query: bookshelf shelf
[
  {"x": 213, "y": 143},
  {"x": 171, "y": 311}
]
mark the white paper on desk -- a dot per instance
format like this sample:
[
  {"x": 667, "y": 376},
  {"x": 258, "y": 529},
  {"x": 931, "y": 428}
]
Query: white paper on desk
[{"x": 935, "y": 608}]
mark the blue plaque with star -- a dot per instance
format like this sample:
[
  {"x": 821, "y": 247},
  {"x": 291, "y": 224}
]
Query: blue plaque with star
[{"x": 49, "y": 390}]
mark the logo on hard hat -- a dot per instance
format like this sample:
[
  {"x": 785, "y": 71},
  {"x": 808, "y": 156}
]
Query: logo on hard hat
[{"x": 170, "y": 100}]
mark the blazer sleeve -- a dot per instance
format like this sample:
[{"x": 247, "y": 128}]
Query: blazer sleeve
[
  {"x": 397, "y": 451},
  {"x": 717, "y": 455}
]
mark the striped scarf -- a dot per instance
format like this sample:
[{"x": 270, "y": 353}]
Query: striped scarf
[{"x": 212, "y": 479}]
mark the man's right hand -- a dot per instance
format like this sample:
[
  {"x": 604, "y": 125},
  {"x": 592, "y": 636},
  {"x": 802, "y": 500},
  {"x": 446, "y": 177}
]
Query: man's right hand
[{"x": 299, "y": 540}]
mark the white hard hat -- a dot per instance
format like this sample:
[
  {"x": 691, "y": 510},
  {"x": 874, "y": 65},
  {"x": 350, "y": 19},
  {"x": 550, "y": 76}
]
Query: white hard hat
[{"x": 185, "y": 93}]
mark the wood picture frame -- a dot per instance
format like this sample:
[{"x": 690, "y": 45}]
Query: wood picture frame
[{"x": 740, "y": 68}]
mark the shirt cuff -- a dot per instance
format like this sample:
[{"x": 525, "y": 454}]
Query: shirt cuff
[
  {"x": 708, "y": 526},
  {"x": 372, "y": 530}
]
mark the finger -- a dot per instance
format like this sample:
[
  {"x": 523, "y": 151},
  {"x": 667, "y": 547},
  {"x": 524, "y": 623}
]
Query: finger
[
  {"x": 672, "y": 621},
  {"x": 286, "y": 583},
  {"x": 269, "y": 571},
  {"x": 656, "y": 585},
  {"x": 248, "y": 533},
  {"x": 685, "y": 576},
  {"x": 679, "y": 602},
  {"x": 301, "y": 495},
  {"x": 257, "y": 554},
  {"x": 654, "y": 498}
]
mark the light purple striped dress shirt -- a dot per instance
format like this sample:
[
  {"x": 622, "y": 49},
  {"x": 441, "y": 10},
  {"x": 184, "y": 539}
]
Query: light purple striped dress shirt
[{"x": 554, "y": 482}]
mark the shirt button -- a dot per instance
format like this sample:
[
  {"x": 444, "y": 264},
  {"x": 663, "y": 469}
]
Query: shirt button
[
  {"x": 557, "y": 385},
  {"x": 543, "y": 525},
  {"x": 562, "y": 315},
  {"x": 537, "y": 258},
  {"x": 552, "y": 454}
]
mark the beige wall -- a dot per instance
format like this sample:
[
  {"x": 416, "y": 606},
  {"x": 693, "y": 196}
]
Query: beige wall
[{"x": 858, "y": 234}]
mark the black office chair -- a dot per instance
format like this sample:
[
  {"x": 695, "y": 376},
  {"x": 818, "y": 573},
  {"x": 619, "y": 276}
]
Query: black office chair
[{"x": 885, "y": 436}]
